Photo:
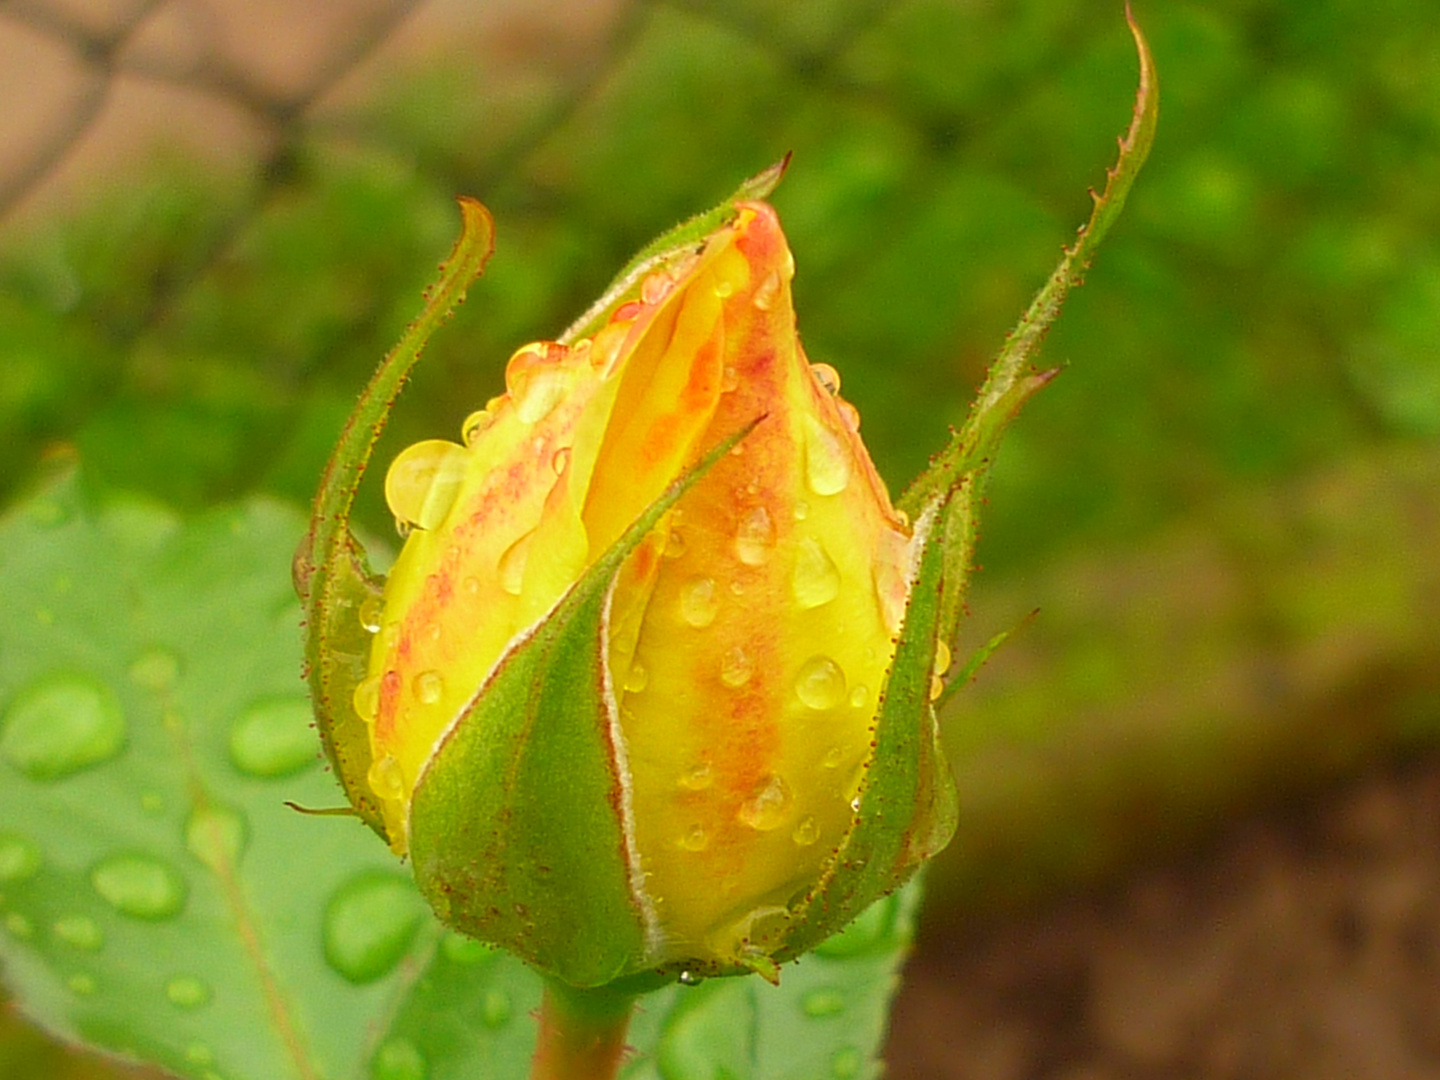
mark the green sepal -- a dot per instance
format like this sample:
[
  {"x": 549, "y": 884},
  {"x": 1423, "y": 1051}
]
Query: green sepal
[
  {"x": 908, "y": 803},
  {"x": 518, "y": 824},
  {"x": 665, "y": 249},
  {"x": 332, "y": 575}
]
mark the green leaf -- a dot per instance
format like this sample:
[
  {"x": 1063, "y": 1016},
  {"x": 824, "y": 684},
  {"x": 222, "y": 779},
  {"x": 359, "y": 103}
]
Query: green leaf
[{"x": 157, "y": 897}]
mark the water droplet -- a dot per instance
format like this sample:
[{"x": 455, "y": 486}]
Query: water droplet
[
  {"x": 697, "y": 779},
  {"x": 423, "y": 481},
  {"x": 855, "y": 804},
  {"x": 495, "y": 1008},
  {"x": 536, "y": 382},
  {"x": 157, "y": 670},
  {"x": 942, "y": 658},
  {"x": 845, "y": 1063},
  {"x": 429, "y": 687},
  {"x": 19, "y": 859},
  {"x": 859, "y": 696},
  {"x": 216, "y": 835},
  {"x": 827, "y": 458},
  {"x": 60, "y": 726},
  {"x": 561, "y": 461},
  {"x": 724, "y": 288},
  {"x": 385, "y": 778},
  {"x": 816, "y": 579},
  {"x": 398, "y": 1058},
  {"x": 695, "y": 838},
  {"x": 187, "y": 992},
  {"x": 81, "y": 984},
  {"x": 806, "y": 832},
  {"x": 833, "y": 757},
  {"x": 512, "y": 564},
  {"x": 822, "y": 1002},
  {"x": 369, "y": 925},
  {"x": 698, "y": 603},
  {"x": 459, "y": 949},
  {"x": 198, "y": 1053},
  {"x": 80, "y": 931},
  {"x": 766, "y": 292},
  {"x": 689, "y": 978},
  {"x": 755, "y": 537},
  {"x": 139, "y": 886},
  {"x": 18, "y": 926},
  {"x": 366, "y": 698},
  {"x": 371, "y": 613},
  {"x": 849, "y": 414},
  {"x": 801, "y": 510},
  {"x": 736, "y": 667},
  {"x": 820, "y": 684},
  {"x": 273, "y": 737},
  {"x": 827, "y": 377},
  {"x": 768, "y": 806},
  {"x": 674, "y": 544},
  {"x": 654, "y": 288},
  {"x": 937, "y": 687},
  {"x": 636, "y": 679},
  {"x": 475, "y": 425}
]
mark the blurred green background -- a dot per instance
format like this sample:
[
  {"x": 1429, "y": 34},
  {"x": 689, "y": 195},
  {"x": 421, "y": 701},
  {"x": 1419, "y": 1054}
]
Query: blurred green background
[{"x": 1227, "y": 509}]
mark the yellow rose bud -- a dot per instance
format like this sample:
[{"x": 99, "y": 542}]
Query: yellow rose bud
[{"x": 743, "y": 649}]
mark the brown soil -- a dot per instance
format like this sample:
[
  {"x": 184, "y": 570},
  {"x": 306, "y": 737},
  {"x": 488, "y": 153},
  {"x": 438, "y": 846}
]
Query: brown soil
[{"x": 1303, "y": 944}]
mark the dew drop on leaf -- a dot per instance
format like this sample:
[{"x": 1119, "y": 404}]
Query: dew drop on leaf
[
  {"x": 845, "y": 1063},
  {"x": 398, "y": 1059},
  {"x": 273, "y": 738},
  {"x": 81, "y": 931},
  {"x": 369, "y": 925},
  {"x": 495, "y": 1009},
  {"x": 827, "y": 459},
  {"x": 139, "y": 886},
  {"x": 187, "y": 992},
  {"x": 822, "y": 1003},
  {"x": 820, "y": 684},
  {"x": 216, "y": 835},
  {"x": 156, "y": 670},
  {"x": 62, "y": 725},
  {"x": 19, "y": 858},
  {"x": 816, "y": 579}
]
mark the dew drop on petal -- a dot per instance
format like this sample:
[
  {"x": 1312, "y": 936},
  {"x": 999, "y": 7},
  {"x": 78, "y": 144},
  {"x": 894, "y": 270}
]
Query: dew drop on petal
[
  {"x": 423, "y": 481},
  {"x": 815, "y": 579},
  {"x": 820, "y": 683},
  {"x": 273, "y": 737},
  {"x": 60, "y": 726},
  {"x": 216, "y": 835},
  {"x": 385, "y": 778},
  {"x": 369, "y": 925},
  {"x": 636, "y": 679},
  {"x": 729, "y": 380},
  {"x": 81, "y": 931},
  {"x": 859, "y": 696},
  {"x": 495, "y": 1008},
  {"x": 561, "y": 460},
  {"x": 697, "y": 778},
  {"x": 827, "y": 458},
  {"x": 187, "y": 992},
  {"x": 806, "y": 831},
  {"x": 512, "y": 564},
  {"x": 397, "y": 1058},
  {"x": 768, "y": 806},
  {"x": 694, "y": 838},
  {"x": 366, "y": 698},
  {"x": 139, "y": 886},
  {"x": 674, "y": 544},
  {"x": 654, "y": 288},
  {"x": 475, "y": 425},
  {"x": 833, "y": 757},
  {"x": 801, "y": 510},
  {"x": 827, "y": 377},
  {"x": 698, "y": 602},
  {"x": 19, "y": 858},
  {"x": 736, "y": 667},
  {"x": 767, "y": 291},
  {"x": 755, "y": 537},
  {"x": 429, "y": 687},
  {"x": 535, "y": 380},
  {"x": 850, "y": 414}
]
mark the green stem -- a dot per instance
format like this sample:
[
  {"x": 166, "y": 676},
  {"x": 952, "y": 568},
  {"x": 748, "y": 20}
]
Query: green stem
[{"x": 582, "y": 1033}]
